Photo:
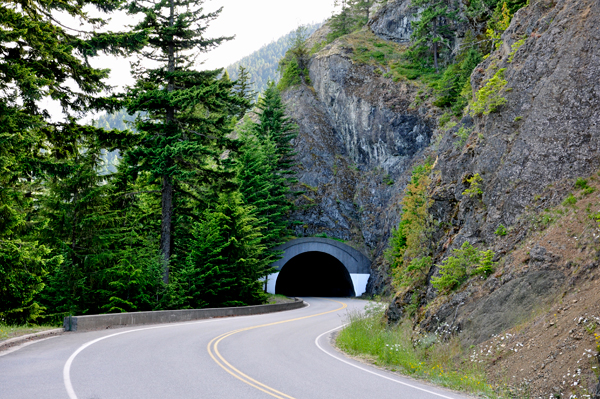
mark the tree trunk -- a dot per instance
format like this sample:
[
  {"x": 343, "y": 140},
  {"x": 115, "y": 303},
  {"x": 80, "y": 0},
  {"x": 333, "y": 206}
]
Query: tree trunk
[
  {"x": 166, "y": 224},
  {"x": 167, "y": 181}
]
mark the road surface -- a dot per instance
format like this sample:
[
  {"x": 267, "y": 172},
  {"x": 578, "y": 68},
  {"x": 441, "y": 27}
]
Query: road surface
[{"x": 284, "y": 355}]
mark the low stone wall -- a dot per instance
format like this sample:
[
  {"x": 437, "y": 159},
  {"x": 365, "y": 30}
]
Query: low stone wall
[{"x": 104, "y": 321}]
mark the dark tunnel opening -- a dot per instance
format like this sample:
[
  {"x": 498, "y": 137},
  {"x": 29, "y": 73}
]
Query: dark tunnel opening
[{"x": 314, "y": 274}]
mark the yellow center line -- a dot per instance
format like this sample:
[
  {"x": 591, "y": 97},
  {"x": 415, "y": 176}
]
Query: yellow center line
[{"x": 213, "y": 351}]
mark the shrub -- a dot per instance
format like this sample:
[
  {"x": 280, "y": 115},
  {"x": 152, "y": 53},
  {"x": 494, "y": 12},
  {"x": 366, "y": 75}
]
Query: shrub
[
  {"x": 501, "y": 231},
  {"x": 464, "y": 263},
  {"x": 474, "y": 189},
  {"x": 463, "y": 134},
  {"x": 583, "y": 185},
  {"x": 570, "y": 200},
  {"x": 515, "y": 47},
  {"x": 489, "y": 97}
]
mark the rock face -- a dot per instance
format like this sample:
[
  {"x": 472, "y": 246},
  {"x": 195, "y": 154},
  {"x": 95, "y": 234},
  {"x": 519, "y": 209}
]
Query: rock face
[
  {"x": 527, "y": 154},
  {"x": 356, "y": 144},
  {"x": 393, "y": 21}
]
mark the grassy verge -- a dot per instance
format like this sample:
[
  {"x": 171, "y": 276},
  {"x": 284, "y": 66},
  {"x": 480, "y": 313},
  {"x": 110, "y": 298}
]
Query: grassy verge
[
  {"x": 443, "y": 363},
  {"x": 273, "y": 299},
  {"x": 8, "y": 332}
]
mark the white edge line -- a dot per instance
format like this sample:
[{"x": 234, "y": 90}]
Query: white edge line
[
  {"x": 67, "y": 367},
  {"x": 370, "y": 371}
]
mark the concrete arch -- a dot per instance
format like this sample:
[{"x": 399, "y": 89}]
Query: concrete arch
[{"x": 357, "y": 264}]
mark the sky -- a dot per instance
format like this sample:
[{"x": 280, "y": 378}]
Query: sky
[{"x": 254, "y": 23}]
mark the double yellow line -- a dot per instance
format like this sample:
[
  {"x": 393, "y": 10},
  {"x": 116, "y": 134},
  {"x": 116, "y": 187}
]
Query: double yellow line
[{"x": 213, "y": 351}]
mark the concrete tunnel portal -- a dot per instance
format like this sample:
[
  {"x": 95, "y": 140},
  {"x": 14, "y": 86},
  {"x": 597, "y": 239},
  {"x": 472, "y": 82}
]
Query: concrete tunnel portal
[{"x": 314, "y": 266}]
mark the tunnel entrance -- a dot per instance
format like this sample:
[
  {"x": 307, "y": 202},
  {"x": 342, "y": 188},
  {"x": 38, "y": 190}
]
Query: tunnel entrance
[{"x": 314, "y": 274}]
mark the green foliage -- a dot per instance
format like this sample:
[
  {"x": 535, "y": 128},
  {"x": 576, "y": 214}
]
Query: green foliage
[
  {"x": 462, "y": 134},
  {"x": 489, "y": 97},
  {"x": 432, "y": 33},
  {"x": 43, "y": 60},
  {"x": 294, "y": 65},
  {"x": 265, "y": 170},
  {"x": 427, "y": 357},
  {"x": 82, "y": 207},
  {"x": 409, "y": 249},
  {"x": 475, "y": 189},
  {"x": 185, "y": 114},
  {"x": 570, "y": 200},
  {"x": 514, "y": 48},
  {"x": 226, "y": 258},
  {"x": 292, "y": 75},
  {"x": 582, "y": 184},
  {"x": 501, "y": 231},
  {"x": 449, "y": 88},
  {"x": 262, "y": 65},
  {"x": 499, "y": 22},
  {"x": 464, "y": 263},
  {"x": 353, "y": 15}
]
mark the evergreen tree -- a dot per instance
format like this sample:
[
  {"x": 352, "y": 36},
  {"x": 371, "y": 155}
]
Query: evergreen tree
[
  {"x": 243, "y": 89},
  {"x": 433, "y": 31},
  {"x": 187, "y": 121},
  {"x": 362, "y": 9},
  {"x": 226, "y": 258},
  {"x": 40, "y": 59},
  {"x": 293, "y": 67},
  {"x": 266, "y": 167}
]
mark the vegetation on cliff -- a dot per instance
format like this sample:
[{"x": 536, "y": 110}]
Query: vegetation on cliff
[{"x": 263, "y": 65}]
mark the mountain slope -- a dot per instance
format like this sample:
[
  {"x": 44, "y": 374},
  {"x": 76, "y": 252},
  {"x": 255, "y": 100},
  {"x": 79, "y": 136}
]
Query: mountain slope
[
  {"x": 262, "y": 64},
  {"x": 520, "y": 180}
]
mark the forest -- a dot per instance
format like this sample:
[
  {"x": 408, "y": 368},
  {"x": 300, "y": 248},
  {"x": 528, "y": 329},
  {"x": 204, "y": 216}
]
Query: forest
[{"x": 177, "y": 207}]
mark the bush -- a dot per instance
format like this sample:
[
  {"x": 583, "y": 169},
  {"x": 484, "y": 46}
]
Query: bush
[
  {"x": 474, "y": 189},
  {"x": 501, "y": 231},
  {"x": 489, "y": 97},
  {"x": 570, "y": 200},
  {"x": 464, "y": 263},
  {"x": 463, "y": 134}
]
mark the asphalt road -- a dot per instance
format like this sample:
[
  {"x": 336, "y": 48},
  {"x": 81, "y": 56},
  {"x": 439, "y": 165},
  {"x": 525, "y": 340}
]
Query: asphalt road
[{"x": 285, "y": 355}]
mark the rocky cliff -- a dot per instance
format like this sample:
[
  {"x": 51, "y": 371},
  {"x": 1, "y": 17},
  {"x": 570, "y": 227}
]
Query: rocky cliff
[
  {"x": 361, "y": 132},
  {"x": 358, "y": 137}
]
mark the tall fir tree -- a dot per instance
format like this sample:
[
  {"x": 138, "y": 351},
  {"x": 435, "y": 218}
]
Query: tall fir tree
[
  {"x": 433, "y": 31},
  {"x": 243, "y": 88},
  {"x": 266, "y": 166},
  {"x": 42, "y": 59},
  {"x": 186, "y": 121},
  {"x": 226, "y": 258}
]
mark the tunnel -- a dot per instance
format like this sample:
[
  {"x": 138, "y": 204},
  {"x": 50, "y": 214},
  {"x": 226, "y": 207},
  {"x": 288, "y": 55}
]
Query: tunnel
[{"x": 314, "y": 274}]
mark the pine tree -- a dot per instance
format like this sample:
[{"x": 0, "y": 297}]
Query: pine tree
[
  {"x": 433, "y": 31},
  {"x": 266, "y": 166},
  {"x": 225, "y": 258},
  {"x": 243, "y": 89},
  {"x": 40, "y": 57},
  {"x": 184, "y": 130}
]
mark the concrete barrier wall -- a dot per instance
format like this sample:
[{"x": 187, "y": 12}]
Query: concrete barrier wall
[{"x": 103, "y": 321}]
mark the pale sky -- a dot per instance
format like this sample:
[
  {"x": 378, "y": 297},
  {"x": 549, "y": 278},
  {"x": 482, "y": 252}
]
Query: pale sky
[{"x": 254, "y": 23}]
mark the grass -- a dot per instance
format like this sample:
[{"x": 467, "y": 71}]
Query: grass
[
  {"x": 427, "y": 358},
  {"x": 278, "y": 298},
  {"x": 8, "y": 331}
]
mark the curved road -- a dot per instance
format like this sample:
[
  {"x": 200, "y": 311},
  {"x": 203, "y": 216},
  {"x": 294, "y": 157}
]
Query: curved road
[{"x": 284, "y": 355}]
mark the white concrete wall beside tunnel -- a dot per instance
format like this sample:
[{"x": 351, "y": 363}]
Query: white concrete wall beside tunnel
[
  {"x": 271, "y": 282},
  {"x": 360, "y": 282}
]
